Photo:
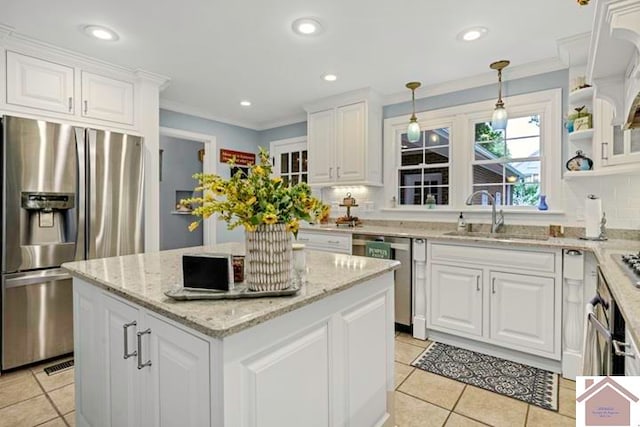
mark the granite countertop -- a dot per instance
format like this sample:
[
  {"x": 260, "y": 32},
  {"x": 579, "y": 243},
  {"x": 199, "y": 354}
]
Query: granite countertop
[
  {"x": 144, "y": 278},
  {"x": 626, "y": 295}
]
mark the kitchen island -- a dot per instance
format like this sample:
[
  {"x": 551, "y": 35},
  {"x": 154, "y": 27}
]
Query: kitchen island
[{"x": 321, "y": 357}]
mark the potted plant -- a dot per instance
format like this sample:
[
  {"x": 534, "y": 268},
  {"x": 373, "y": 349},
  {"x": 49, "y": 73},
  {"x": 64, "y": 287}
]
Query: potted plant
[{"x": 268, "y": 209}]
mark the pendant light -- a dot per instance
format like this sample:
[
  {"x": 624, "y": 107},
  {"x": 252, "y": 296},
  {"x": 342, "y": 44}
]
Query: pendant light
[
  {"x": 500, "y": 117},
  {"x": 413, "y": 130}
]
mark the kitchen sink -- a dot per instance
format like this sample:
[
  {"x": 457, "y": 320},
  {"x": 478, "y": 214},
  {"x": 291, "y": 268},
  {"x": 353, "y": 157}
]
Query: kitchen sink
[{"x": 497, "y": 236}]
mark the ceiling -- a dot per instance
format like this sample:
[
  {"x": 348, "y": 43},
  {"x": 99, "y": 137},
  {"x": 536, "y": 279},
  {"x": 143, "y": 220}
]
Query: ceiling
[{"x": 220, "y": 52}]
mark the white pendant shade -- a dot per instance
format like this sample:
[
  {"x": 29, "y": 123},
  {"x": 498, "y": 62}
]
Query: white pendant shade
[
  {"x": 413, "y": 131},
  {"x": 499, "y": 119}
]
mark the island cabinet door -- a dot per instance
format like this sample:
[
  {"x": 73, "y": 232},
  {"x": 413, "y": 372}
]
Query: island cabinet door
[
  {"x": 522, "y": 311},
  {"x": 122, "y": 402},
  {"x": 455, "y": 299},
  {"x": 176, "y": 366}
]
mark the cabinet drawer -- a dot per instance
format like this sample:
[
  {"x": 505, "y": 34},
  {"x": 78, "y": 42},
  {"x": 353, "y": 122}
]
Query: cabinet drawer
[
  {"x": 508, "y": 258},
  {"x": 329, "y": 242}
]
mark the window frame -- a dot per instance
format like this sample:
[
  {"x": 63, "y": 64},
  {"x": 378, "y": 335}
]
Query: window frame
[{"x": 546, "y": 103}]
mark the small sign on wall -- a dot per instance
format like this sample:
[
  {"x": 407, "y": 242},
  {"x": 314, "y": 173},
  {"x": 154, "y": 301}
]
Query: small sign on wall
[{"x": 242, "y": 158}]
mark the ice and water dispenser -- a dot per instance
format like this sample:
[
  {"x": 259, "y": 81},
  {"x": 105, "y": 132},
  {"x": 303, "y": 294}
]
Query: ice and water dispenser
[{"x": 47, "y": 218}]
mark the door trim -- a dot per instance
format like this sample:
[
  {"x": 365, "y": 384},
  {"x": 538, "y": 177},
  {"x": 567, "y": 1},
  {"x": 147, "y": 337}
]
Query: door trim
[{"x": 208, "y": 166}]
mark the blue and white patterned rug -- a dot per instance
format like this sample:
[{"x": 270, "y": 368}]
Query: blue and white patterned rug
[{"x": 522, "y": 382}]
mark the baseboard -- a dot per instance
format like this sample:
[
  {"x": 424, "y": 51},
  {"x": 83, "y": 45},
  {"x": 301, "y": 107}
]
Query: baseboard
[
  {"x": 571, "y": 365},
  {"x": 419, "y": 328}
]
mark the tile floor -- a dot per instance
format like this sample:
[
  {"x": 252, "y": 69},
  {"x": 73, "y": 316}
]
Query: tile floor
[
  {"x": 424, "y": 399},
  {"x": 30, "y": 397}
]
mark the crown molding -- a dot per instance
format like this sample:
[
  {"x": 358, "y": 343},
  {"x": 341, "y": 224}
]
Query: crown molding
[
  {"x": 291, "y": 120},
  {"x": 5, "y": 30},
  {"x": 511, "y": 73},
  {"x": 574, "y": 51},
  {"x": 178, "y": 107},
  {"x": 160, "y": 80}
]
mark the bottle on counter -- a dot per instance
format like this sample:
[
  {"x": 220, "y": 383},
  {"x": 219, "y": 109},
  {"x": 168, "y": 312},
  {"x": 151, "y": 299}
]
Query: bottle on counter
[{"x": 462, "y": 223}]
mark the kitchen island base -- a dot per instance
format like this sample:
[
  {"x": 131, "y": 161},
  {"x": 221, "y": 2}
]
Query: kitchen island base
[{"x": 327, "y": 363}]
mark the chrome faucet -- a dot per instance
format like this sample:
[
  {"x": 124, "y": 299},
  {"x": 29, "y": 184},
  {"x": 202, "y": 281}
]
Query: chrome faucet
[{"x": 497, "y": 219}]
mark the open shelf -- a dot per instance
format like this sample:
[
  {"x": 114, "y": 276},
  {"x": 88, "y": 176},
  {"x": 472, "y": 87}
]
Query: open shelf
[
  {"x": 580, "y": 135},
  {"x": 608, "y": 170},
  {"x": 581, "y": 96}
]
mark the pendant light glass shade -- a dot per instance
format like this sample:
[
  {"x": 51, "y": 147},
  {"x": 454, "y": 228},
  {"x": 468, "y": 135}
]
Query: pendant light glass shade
[
  {"x": 413, "y": 130},
  {"x": 500, "y": 117}
]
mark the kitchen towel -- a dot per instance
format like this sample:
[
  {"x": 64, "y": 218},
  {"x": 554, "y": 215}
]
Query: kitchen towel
[
  {"x": 592, "y": 216},
  {"x": 591, "y": 358}
]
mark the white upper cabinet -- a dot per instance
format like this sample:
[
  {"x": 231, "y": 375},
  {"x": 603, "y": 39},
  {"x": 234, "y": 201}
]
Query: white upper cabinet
[
  {"x": 345, "y": 140},
  {"x": 35, "y": 83},
  {"x": 106, "y": 98}
]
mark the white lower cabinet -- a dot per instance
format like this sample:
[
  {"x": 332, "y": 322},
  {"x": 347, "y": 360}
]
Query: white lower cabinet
[
  {"x": 456, "y": 299},
  {"x": 508, "y": 309},
  {"x": 133, "y": 369},
  {"x": 522, "y": 310}
]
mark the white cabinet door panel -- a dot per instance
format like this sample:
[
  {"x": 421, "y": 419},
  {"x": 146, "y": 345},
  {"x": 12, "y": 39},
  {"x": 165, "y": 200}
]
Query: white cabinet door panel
[
  {"x": 350, "y": 142},
  {"x": 178, "y": 390},
  {"x": 35, "y": 83},
  {"x": 296, "y": 371},
  {"x": 522, "y": 310},
  {"x": 365, "y": 362},
  {"x": 123, "y": 394},
  {"x": 107, "y": 99},
  {"x": 455, "y": 302},
  {"x": 321, "y": 140}
]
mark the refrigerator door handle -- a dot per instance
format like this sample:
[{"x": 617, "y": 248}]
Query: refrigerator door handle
[
  {"x": 91, "y": 196},
  {"x": 81, "y": 209},
  {"x": 25, "y": 279}
]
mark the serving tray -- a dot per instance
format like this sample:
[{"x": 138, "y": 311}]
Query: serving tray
[{"x": 239, "y": 291}]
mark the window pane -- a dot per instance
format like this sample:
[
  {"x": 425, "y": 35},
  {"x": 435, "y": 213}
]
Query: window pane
[
  {"x": 482, "y": 199},
  {"x": 527, "y": 172},
  {"x": 285, "y": 180},
  {"x": 520, "y": 127},
  {"x": 294, "y": 179},
  {"x": 410, "y": 195},
  {"x": 618, "y": 140},
  {"x": 436, "y": 155},
  {"x": 489, "y": 144},
  {"x": 412, "y": 158},
  {"x": 492, "y": 173},
  {"x": 522, "y": 194},
  {"x": 295, "y": 161},
  {"x": 437, "y": 137},
  {"x": 440, "y": 194},
  {"x": 304, "y": 161},
  {"x": 634, "y": 136},
  {"x": 407, "y": 145},
  {"x": 304, "y": 177},
  {"x": 410, "y": 177},
  {"x": 436, "y": 176},
  {"x": 523, "y": 147},
  {"x": 284, "y": 163}
]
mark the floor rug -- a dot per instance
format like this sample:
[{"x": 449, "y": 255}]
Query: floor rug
[{"x": 522, "y": 382}]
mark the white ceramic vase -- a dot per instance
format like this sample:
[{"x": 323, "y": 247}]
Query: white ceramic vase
[{"x": 268, "y": 260}]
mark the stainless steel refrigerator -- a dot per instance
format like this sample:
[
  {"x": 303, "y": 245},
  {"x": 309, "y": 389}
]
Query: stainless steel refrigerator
[{"x": 68, "y": 193}]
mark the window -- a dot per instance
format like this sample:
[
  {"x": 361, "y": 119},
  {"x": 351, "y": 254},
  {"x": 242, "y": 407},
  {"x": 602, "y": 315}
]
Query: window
[
  {"x": 424, "y": 168},
  {"x": 507, "y": 163},
  {"x": 458, "y": 153},
  {"x": 289, "y": 158}
]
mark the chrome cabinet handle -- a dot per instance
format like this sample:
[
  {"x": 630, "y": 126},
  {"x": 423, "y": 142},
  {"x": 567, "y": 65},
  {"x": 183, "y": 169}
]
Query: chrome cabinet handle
[
  {"x": 86, "y": 106},
  {"x": 419, "y": 241},
  {"x": 333, "y": 242},
  {"x": 621, "y": 352},
  {"x": 338, "y": 171},
  {"x": 303, "y": 239},
  {"x": 573, "y": 252},
  {"x": 604, "y": 157},
  {"x": 126, "y": 341},
  {"x": 493, "y": 285},
  {"x": 477, "y": 283},
  {"x": 330, "y": 170},
  {"x": 70, "y": 104},
  {"x": 148, "y": 362}
]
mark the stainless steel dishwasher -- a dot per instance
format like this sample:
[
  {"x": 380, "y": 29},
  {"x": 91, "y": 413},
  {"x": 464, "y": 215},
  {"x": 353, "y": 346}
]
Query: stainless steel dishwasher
[{"x": 401, "y": 251}]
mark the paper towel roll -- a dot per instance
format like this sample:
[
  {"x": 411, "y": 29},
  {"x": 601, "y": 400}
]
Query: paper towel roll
[{"x": 592, "y": 216}]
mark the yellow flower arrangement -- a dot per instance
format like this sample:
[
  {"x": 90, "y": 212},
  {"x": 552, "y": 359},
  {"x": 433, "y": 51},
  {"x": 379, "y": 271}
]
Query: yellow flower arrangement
[{"x": 256, "y": 199}]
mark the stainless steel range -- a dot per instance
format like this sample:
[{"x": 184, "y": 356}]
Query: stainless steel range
[{"x": 630, "y": 264}]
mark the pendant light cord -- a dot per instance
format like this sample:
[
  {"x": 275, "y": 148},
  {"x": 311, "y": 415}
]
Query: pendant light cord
[{"x": 500, "y": 103}]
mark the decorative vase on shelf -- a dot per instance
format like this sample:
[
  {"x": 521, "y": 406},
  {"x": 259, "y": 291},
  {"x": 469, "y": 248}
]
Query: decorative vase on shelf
[
  {"x": 542, "y": 205},
  {"x": 268, "y": 258}
]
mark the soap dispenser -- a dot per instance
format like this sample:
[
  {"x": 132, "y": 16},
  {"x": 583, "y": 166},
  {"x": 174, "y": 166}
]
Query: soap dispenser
[{"x": 462, "y": 223}]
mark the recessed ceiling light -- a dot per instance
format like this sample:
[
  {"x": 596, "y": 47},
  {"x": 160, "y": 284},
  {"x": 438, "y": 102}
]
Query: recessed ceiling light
[
  {"x": 101, "y": 33},
  {"x": 245, "y": 103},
  {"x": 330, "y": 77},
  {"x": 307, "y": 26},
  {"x": 472, "y": 34}
]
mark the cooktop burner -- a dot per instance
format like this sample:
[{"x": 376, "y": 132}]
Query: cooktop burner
[{"x": 630, "y": 264}]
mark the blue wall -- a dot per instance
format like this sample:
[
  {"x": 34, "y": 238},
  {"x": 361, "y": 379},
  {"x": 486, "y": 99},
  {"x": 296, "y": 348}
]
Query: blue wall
[
  {"x": 227, "y": 136},
  {"x": 282, "y": 132}
]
